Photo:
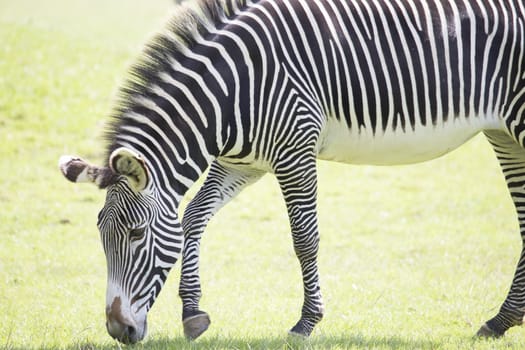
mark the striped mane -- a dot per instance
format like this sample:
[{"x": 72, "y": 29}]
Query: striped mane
[{"x": 179, "y": 33}]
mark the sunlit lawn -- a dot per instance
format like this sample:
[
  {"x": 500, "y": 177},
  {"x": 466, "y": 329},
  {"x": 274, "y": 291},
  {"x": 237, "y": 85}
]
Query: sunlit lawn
[{"x": 411, "y": 257}]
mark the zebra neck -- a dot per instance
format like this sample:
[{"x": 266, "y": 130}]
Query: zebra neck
[
  {"x": 177, "y": 145},
  {"x": 184, "y": 104}
]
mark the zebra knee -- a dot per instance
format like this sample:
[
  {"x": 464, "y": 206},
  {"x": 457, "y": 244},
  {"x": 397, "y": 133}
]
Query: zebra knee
[
  {"x": 199, "y": 211},
  {"x": 306, "y": 246}
]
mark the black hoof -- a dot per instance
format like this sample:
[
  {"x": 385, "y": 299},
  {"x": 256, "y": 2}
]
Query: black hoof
[
  {"x": 302, "y": 329},
  {"x": 486, "y": 332},
  {"x": 195, "y": 325}
]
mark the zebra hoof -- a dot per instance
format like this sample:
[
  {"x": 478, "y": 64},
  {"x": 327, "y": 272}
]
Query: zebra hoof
[
  {"x": 486, "y": 332},
  {"x": 300, "y": 330},
  {"x": 195, "y": 325}
]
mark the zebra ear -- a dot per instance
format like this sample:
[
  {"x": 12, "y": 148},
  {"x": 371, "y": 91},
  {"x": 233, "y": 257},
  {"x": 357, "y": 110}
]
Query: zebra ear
[
  {"x": 126, "y": 162},
  {"x": 78, "y": 170}
]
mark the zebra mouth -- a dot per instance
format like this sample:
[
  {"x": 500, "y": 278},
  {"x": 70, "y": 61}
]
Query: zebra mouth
[
  {"x": 123, "y": 326},
  {"x": 127, "y": 334}
]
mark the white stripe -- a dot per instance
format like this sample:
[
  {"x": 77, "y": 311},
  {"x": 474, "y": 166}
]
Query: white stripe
[
  {"x": 381, "y": 70},
  {"x": 445, "y": 33},
  {"x": 483, "y": 105},
  {"x": 460, "y": 62},
  {"x": 435, "y": 60},
  {"x": 493, "y": 106}
]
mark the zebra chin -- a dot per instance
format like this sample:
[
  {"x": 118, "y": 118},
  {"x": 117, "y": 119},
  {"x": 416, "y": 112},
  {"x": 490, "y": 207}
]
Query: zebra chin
[{"x": 124, "y": 325}]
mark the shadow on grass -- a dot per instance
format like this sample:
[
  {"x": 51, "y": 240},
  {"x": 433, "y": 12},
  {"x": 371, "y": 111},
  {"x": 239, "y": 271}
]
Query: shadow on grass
[{"x": 284, "y": 343}]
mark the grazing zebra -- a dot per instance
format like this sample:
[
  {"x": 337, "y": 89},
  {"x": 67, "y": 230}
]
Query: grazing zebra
[{"x": 249, "y": 87}]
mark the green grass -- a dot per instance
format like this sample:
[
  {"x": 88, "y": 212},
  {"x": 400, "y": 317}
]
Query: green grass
[{"x": 411, "y": 257}]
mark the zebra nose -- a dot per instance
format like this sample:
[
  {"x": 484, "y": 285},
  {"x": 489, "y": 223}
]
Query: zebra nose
[
  {"x": 124, "y": 333},
  {"x": 118, "y": 326}
]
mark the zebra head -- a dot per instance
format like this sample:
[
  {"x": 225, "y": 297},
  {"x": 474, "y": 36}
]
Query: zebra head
[{"x": 131, "y": 226}]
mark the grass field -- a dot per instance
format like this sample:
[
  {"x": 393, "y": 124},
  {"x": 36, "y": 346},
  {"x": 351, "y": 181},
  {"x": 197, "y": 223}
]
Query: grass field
[{"x": 411, "y": 257}]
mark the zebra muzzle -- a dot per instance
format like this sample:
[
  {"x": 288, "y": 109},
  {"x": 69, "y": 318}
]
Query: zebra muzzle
[{"x": 122, "y": 327}]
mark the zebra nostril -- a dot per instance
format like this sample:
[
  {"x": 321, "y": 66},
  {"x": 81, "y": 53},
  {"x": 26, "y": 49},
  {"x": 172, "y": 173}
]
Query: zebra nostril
[
  {"x": 128, "y": 335},
  {"x": 122, "y": 331},
  {"x": 131, "y": 331}
]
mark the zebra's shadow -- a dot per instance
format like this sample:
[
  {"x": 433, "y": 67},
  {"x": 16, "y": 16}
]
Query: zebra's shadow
[
  {"x": 351, "y": 341},
  {"x": 344, "y": 341}
]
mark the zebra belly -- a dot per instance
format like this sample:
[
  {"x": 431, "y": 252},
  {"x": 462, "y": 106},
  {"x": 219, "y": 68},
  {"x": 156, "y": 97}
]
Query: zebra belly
[{"x": 339, "y": 143}]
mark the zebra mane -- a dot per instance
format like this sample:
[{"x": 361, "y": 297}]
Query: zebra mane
[{"x": 190, "y": 20}]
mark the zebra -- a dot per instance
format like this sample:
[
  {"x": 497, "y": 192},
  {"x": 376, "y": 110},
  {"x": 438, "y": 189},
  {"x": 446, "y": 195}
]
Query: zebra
[{"x": 242, "y": 88}]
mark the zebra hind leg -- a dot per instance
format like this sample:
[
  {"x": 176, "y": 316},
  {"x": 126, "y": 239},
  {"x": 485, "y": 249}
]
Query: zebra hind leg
[
  {"x": 221, "y": 185},
  {"x": 298, "y": 183},
  {"x": 512, "y": 160}
]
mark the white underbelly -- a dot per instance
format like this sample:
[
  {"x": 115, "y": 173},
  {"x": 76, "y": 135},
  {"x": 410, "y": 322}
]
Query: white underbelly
[{"x": 339, "y": 143}]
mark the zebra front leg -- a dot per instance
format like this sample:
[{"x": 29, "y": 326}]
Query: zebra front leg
[
  {"x": 222, "y": 184},
  {"x": 512, "y": 160},
  {"x": 299, "y": 187}
]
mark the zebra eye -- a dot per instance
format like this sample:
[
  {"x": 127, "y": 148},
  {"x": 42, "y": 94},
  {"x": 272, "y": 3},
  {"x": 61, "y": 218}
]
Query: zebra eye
[{"x": 137, "y": 233}]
